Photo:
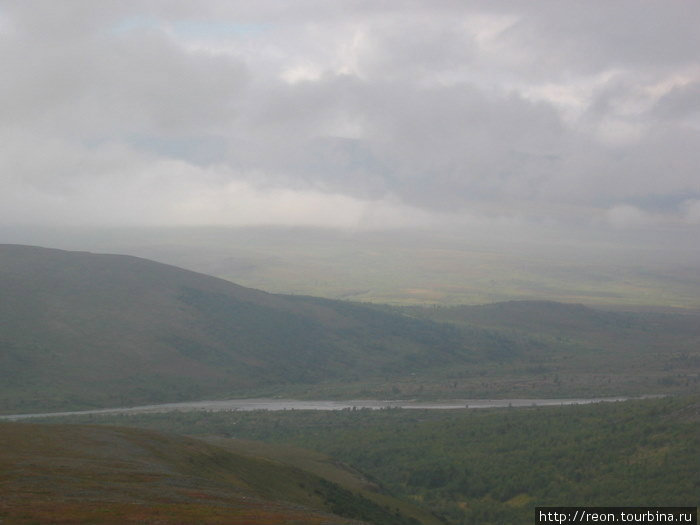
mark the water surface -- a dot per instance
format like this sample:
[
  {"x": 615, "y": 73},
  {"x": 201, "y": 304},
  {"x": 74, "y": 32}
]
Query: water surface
[{"x": 296, "y": 404}]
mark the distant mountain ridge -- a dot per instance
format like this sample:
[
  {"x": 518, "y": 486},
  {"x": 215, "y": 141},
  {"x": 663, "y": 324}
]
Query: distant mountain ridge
[{"x": 82, "y": 329}]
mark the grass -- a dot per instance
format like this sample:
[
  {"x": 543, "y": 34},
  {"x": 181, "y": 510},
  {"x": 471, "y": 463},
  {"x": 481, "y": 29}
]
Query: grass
[
  {"x": 88, "y": 474},
  {"x": 486, "y": 466}
]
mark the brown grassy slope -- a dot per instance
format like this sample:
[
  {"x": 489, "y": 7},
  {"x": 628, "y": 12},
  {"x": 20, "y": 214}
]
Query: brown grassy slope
[
  {"x": 328, "y": 468},
  {"x": 84, "y": 474}
]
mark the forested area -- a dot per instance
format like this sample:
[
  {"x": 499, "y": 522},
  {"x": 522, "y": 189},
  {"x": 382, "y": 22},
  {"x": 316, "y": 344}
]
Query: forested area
[{"x": 491, "y": 466}]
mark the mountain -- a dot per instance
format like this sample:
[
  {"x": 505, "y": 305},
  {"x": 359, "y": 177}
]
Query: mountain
[
  {"x": 90, "y": 474},
  {"x": 92, "y": 330}
]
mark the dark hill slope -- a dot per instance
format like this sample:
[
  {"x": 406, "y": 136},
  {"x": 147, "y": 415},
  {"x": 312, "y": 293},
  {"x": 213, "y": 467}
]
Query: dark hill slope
[
  {"x": 79, "y": 329},
  {"x": 619, "y": 333},
  {"x": 86, "y": 474},
  {"x": 593, "y": 350}
]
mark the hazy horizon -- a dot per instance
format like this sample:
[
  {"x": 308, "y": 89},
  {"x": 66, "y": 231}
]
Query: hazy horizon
[{"x": 405, "y": 266}]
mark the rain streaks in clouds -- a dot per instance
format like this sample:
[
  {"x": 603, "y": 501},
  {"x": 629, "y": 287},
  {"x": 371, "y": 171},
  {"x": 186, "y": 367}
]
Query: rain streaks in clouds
[{"x": 351, "y": 114}]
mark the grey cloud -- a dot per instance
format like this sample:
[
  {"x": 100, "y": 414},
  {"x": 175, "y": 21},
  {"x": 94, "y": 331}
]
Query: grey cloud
[
  {"x": 430, "y": 104},
  {"x": 680, "y": 103},
  {"x": 102, "y": 83},
  {"x": 415, "y": 48},
  {"x": 431, "y": 146},
  {"x": 569, "y": 36}
]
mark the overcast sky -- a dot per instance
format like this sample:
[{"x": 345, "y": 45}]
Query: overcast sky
[{"x": 351, "y": 114}]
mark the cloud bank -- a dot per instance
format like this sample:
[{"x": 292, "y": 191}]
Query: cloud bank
[{"x": 351, "y": 114}]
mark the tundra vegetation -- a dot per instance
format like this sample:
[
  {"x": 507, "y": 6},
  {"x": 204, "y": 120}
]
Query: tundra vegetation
[
  {"x": 490, "y": 466},
  {"x": 83, "y": 331}
]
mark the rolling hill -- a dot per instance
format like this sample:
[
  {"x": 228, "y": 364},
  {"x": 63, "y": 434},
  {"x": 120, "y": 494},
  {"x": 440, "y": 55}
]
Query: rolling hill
[
  {"x": 85, "y": 330},
  {"x": 89, "y": 474},
  {"x": 659, "y": 341}
]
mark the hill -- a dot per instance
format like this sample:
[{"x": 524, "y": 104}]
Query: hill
[
  {"x": 87, "y": 474},
  {"x": 82, "y": 330},
  {"x": 560, "y": 349},
  {"x": 87, "y": 330},
  {"x": 622, "y": 336}
]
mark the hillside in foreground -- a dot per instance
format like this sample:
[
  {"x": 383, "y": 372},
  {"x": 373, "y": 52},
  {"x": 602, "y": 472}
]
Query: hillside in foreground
[
  {"x": 86, "y": 474},
  {"x": 488, "y": 466}
]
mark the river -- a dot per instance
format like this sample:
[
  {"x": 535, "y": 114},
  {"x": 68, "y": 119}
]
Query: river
[{"x": 295, "y": 404}]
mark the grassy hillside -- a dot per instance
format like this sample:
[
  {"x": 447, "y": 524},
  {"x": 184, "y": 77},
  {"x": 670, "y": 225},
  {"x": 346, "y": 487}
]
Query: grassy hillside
[
  {"x": 330, "y": 469},
  {"x": 80, "y": 329},
  {"x": 559, "y": 349},
  {"x": 84, "y": 474},
  {"x": 547, "y": 349}
]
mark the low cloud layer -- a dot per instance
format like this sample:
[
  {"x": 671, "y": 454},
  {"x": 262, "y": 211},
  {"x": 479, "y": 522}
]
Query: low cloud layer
[{"x": 351, "y": 114}]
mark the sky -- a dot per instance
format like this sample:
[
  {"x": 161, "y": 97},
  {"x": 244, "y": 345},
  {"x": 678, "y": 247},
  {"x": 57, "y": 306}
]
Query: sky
[{"x": 478, "y": 115}]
